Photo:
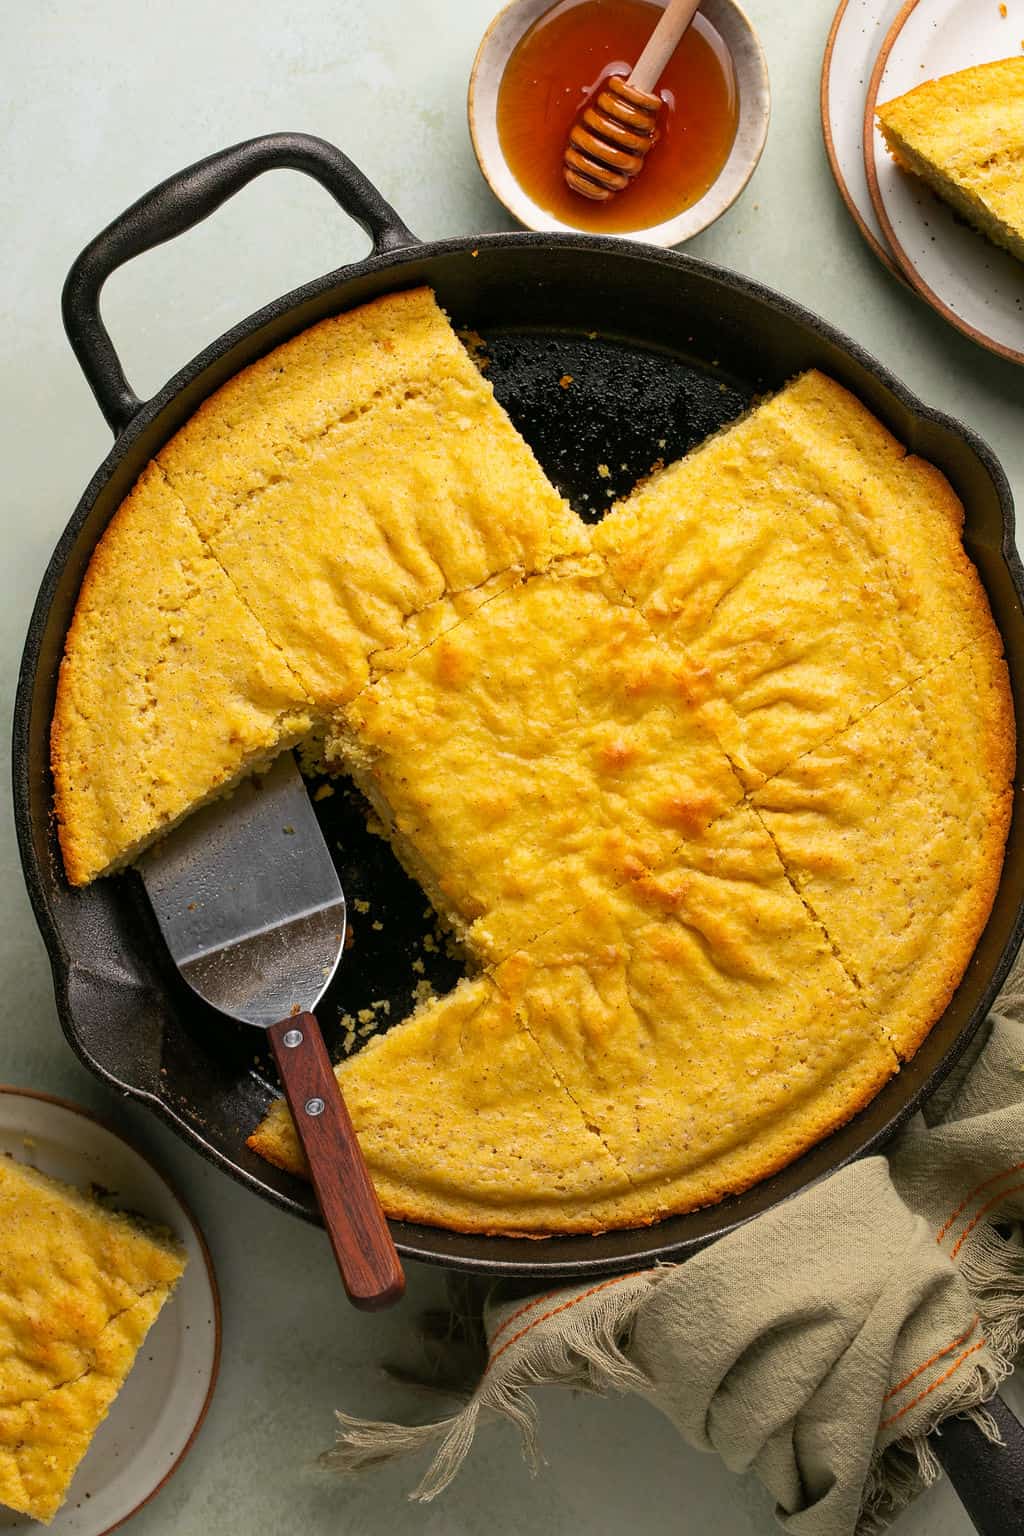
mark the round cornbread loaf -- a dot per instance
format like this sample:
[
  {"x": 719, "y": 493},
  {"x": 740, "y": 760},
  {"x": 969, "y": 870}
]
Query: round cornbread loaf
[{"x": 714, "y": 794}]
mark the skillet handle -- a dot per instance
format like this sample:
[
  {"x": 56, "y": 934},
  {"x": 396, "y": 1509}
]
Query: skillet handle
[
  {"x": 988, "y": 1479},
  {"x": 182, "y": 201}
]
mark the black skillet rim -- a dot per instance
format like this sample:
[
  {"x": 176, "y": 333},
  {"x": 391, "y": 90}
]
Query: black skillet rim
[{"x": 419, "y": 1242}]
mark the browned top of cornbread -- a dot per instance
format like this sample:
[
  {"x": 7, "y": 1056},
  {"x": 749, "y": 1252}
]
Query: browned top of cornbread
[
  {"x": 964, "y": 135},
  {"x": 79, "y": 1288}
]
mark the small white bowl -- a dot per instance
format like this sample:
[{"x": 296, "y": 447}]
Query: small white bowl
[{"x": 751, "y": 76}]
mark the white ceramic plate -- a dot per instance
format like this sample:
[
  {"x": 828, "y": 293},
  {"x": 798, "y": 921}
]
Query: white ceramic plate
[
  {"x": 749, "y": 68},
  {"x": 857, "y": 29},
  {"x": 156, "y": 1416},
  {"x": 972, "y": 283}
]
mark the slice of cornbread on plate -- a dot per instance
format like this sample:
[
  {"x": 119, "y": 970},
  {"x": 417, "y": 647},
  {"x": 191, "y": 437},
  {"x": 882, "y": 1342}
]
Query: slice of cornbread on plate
[
  {"x": 79, "y": 1288},
  {"x": 360, "y": 474},
  {"x": 169, "y": 690},
  {"x": 928, "y": 776},
  {"x": 701, "y": 1021},
  {"x": 963, "y": 134},
  {"x": 464, "y": 1125},
  {"x": 804, "y": 566},
  {"x": 542, "y": 751}
]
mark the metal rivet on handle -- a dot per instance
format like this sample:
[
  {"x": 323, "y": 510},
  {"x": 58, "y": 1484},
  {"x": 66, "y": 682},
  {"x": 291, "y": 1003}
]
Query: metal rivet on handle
[
  {"x": 293, "y": 1037},
  {"x": 315, "y": 1106}
]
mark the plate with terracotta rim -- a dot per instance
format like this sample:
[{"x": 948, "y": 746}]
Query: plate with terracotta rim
[
  {"x": 857, "y": 28},
  {"x": 972, "y": 283},
  {"x": 158, "y": 1412}
]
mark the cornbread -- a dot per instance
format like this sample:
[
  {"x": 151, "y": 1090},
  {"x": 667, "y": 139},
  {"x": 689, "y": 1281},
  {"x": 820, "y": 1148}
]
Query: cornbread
[
  {"x": 465, "y": 1125},
  {"x": 804, "y": 566},
  {"x": 928, "y": 777},
  {"x": 169, "y": 691},
  {"x": 699, "y": 1018},
  {"x": 714, "y": 794},
  {"x": 356, "y": 476},
  {"x": 964, "y": 135},
  {"x": 79, "y": 1288},
  {"x": 535, "y": 755}
]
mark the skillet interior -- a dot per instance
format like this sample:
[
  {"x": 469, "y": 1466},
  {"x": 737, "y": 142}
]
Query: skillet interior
[{"x": 679, "y": 349}]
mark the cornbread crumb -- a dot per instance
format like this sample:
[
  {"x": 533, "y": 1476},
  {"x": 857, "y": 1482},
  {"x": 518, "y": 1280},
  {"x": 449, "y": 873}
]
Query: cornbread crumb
[{"x": 323, "y": 792}]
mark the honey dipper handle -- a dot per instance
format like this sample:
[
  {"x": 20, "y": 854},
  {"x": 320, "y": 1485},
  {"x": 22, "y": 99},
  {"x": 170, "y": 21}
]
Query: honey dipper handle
[
  {"x": 370, "y": 1267},
  {"x": 662, "y": 44}
]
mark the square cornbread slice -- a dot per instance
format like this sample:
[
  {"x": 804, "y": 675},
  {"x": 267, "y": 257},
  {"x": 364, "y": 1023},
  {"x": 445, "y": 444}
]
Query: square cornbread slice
[
  {"x": 464, "y": 1124},
  {"x": 542, "y": 751},
  {"x": 169, "y": 690},
  {"x": 357, "y": 476},
  {"x": 79, "y": 1288},
  {"x": 963, "y": 134},
  {"x": 928, "y": 776},
  {"x": 803, "y": 565},
  {"x": 701, "y": 1021}
]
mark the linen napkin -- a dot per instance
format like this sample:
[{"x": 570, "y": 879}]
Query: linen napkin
[{"x": 819, "y": 1344}]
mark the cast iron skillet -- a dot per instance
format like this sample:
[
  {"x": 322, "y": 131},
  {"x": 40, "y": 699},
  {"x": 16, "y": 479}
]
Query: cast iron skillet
[
  {"x": 659, "y": 349},
  {"x": 681, "y": 347}
]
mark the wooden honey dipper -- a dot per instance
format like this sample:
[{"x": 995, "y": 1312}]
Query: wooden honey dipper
[{"x": 612, "y": 136}]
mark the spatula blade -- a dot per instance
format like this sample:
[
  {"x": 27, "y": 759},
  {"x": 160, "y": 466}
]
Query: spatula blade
[{"x": 249, "y": 901}]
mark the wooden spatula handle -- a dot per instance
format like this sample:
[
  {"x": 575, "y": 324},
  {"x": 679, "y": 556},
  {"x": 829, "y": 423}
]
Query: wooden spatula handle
[{"x": 370, "y": 1267}]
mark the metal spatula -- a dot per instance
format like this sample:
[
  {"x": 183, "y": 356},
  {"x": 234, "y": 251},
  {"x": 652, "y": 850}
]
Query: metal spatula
[{"x": 249, "y": 902}]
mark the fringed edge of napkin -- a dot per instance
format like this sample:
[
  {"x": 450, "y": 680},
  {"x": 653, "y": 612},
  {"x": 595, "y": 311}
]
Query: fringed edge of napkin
[
  {"x": 898, "y": 1473},
  {"x": 585, "y": 1354}
]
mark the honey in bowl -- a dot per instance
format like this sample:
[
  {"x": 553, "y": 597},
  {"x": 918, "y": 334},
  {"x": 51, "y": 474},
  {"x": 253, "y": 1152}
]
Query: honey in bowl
[{"x": 562, "y": 62}]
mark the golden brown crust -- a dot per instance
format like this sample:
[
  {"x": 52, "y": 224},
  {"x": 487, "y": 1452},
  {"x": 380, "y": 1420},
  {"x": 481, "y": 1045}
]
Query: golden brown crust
[
  {"x": 928, "y": 776},
  {"x": 168, "y": 690},
  {"x": 79, "y": 1289},
  {"x": 964, "y": 135}
]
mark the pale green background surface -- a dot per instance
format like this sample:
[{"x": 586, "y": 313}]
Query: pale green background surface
[{"x": 101, "y": 99}]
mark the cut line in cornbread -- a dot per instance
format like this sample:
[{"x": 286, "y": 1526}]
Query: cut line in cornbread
[
  {"x": 80, "y": 1287},
  {"x": 463, "y": 1124},
  {"x": 803, "y": 566},
  {"x": 359, "y": 475},
  {"x": 169, "y": 691},
  {"x": 928, "y": 777},
  {"x": 701, "y": 1022},
  {"x": 963, "y": 135}
]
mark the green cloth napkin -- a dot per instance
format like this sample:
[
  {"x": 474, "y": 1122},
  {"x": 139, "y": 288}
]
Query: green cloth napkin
[{"x": 818, "y": 1345}]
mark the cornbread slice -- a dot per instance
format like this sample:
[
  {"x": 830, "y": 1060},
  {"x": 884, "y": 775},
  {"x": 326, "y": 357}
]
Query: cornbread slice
[
  {"x": 964, "y": 135},
  {"x": 538, "y": 754},
  {"x": 464, "y": 1125},
  {"x": 357, "y": 475},
  {"x": 169, "y": 690},
  {"x": 79, "y": 1289},
  {"x": 803, "y": 565},
  {"x": 701, "y": 1022},
  {"x": 928, "y": 778}
]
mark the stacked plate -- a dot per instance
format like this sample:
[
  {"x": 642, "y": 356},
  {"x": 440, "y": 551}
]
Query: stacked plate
[{"x": 879, "y": 49}]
